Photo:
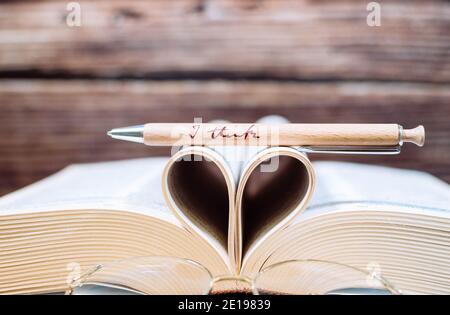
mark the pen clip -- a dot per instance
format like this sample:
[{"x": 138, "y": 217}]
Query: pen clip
[{"x": 392, "y": 150}]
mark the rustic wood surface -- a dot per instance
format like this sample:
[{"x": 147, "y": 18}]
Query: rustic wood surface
[
  {"x": 132, "y": 62},
  {"x": 239, "y": 38}
]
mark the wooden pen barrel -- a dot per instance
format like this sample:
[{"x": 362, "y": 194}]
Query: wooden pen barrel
[{"x": 284, "y": 134}]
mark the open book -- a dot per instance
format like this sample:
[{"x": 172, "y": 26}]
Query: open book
[{"x": 233, "y": 215}]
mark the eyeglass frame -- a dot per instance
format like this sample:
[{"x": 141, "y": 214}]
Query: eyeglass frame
[{"x": 215, "y": 279}]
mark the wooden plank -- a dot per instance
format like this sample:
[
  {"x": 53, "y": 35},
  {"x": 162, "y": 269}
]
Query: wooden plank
[
  {"x": 302, "y": 40},
  {"x": 46, "y": 125}
]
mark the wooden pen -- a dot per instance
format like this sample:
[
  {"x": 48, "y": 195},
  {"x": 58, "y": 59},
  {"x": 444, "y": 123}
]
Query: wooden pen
[{"x": 307, "y": 135}]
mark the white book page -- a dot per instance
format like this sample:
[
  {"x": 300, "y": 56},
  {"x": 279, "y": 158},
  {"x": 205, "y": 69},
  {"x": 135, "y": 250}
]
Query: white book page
[
  {"x": 119, "y": 185},
  {"x": 344, "y": 183}
]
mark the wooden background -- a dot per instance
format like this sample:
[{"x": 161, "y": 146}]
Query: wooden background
[{"x": 131, "y": 62}]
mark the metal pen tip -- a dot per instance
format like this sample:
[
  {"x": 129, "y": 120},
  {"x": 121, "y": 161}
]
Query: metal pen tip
[{"x": 132, "y": 133}]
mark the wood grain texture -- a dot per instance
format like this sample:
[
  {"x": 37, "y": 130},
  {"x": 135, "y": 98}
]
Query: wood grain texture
[
  {"x": 320, "y": 40},
  {"x": 50, "y": 124},
  {"x": 131, "y": 62},
  {"x": 289, "y": 134}
]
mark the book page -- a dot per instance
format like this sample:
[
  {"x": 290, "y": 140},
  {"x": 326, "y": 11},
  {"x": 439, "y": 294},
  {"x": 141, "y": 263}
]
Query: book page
[
  {"x": 92, "y": 213},
  {"x": 121, "y": 185},
  {"x": 267, "y": 200},
  {"x": 363, "y": 216},
  {"x": 340, "y": 182},
  {"x": 199, "y": 188}
]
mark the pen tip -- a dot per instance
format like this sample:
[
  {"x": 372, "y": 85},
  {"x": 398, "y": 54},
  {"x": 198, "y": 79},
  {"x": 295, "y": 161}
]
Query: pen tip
[{"x": 132, "y": 133}]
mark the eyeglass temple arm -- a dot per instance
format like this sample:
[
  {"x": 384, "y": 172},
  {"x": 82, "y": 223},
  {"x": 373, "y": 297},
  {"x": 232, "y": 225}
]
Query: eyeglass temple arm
[{"x": 78, "y": 279}]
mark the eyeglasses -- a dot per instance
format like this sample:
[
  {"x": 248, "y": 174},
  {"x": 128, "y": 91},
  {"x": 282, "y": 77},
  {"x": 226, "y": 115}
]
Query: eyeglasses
[{"x": 159, "y": 275}]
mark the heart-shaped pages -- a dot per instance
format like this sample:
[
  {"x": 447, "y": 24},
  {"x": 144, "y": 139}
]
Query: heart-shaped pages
[{"x": 274, "y": 186}]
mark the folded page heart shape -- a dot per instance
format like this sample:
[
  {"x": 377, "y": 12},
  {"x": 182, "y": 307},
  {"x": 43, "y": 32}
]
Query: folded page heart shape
[{"x": 274, "y": 186}]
